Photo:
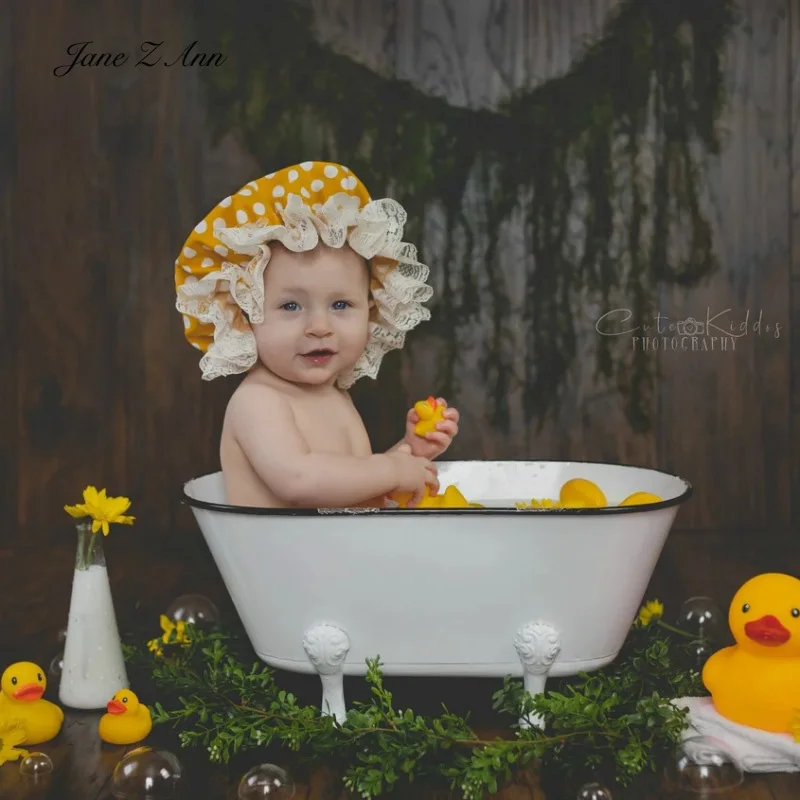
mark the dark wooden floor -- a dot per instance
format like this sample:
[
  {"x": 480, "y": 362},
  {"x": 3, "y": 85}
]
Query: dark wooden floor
[
  {"x": 83, "y": 767},
  {"x": 147, "y": 572}
]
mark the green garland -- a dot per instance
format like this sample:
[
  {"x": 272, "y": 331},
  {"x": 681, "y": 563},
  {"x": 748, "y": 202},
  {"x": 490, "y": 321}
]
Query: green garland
[
  {"x": 652, "y": 84},
  {"x": 616, "y": 723}
]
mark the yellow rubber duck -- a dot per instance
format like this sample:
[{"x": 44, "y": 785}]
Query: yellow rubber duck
[
  {"x": 430, "y": 412},
  {"x": 450, "y": 498},
  {"x": 127, "y": 721},
  {"x": 21, "y": 688},
  {"x": 640, "y": 498},
  {"x": 580, "y": 493},
  {"x": 755, "y": 682}
]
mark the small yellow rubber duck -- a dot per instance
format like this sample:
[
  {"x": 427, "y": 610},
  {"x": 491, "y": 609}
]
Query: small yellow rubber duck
[
  {"x": 127, "y": 721},
  {"x": 640, "y": 498},
  {"x": 21, "y": 688},
  {"x": 450, "y": 498},
  {"x": 581, "y": 493},
  {"x": 755, "y": 682},
  {"x": 430, "y": 412}
]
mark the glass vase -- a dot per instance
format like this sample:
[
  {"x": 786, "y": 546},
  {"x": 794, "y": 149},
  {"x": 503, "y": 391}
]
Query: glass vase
[{"x": 94, "y": 667}]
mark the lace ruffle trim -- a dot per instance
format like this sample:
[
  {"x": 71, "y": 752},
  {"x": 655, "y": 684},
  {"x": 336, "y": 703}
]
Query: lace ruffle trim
[{"x": 375, "y": 231}]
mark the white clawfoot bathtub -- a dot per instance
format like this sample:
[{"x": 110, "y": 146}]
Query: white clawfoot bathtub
[{"x": 489, "y": 591}]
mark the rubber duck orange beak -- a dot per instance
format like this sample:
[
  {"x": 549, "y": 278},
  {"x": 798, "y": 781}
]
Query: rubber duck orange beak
[
  {"x": 432, "y": 402},
  {"x": 767, "y": 631},
  {"x": 28, "y": 692},
  {"x": 115, "y": 707}
]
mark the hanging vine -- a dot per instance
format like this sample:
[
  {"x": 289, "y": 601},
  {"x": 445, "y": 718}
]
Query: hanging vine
[{"x": 613, "y": 142}]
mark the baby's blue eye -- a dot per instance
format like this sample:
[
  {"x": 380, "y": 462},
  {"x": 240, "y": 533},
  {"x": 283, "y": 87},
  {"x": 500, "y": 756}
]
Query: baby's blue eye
[
  {"x": 285, "y": 306},
  {"x": 340, "y": 305}
]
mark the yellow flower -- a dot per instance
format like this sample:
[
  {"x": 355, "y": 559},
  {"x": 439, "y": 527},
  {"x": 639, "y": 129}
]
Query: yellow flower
[
  {"x": 534, "y": 503},
  {"x": 154, "y": 646},
  {"x": 12, "y": 733},
  {"x": 172, "y": 633},
  {"x": 103, "y": 510},
  {"x": 652, "y": 609},
  {"x": 178, "y": 628}
]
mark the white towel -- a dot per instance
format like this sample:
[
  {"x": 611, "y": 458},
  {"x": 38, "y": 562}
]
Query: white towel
[{"x": 755, "y": 750}]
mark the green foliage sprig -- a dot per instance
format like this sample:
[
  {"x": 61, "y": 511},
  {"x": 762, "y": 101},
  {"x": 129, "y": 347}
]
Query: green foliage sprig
[{"x": 617, "y": 722}]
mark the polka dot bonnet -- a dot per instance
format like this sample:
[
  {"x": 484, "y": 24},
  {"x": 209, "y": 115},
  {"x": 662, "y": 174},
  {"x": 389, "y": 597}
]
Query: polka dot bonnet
[{"x": 219, "y": 274}]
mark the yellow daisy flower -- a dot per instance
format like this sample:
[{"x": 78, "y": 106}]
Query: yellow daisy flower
[
  {"x": 103, "y": 510},
  {"x": 534, "y": 503},
  {"x": 154, "y": 646},
  {"x": 652, "y": 609},
  {"x": 12, "y": 733},
  {"x": 178, "y": 628}
]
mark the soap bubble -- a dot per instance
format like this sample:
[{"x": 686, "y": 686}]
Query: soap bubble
[
  {"x": 56, "y": 666},
  {"x": 704, "y": 765},
  {"x": 194, "y": 609},
  {"x": 62, "y": 635},
  {"x": 700, "y": 652},
  {"x": 266, "y": 780},
  {"x": 146, "y": 773},
  {"x": 36, "y": 768},
  {"x": 594, "y": 791},
  {"x": 702, "y": 617}
]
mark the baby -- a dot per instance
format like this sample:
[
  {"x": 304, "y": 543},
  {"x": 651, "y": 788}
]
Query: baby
[{"x": 303, "y": 282}]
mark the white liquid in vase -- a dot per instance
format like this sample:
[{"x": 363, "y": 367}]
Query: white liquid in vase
[{"x": 94, "y": 668}]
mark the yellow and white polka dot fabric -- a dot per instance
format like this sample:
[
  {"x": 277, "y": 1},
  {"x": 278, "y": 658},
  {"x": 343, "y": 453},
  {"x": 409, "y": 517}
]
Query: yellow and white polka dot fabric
[{"x": 262, "y": 202}]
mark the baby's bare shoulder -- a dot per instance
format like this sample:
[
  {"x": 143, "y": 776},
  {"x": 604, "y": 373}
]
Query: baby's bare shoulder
[{"x": 255, "y": 402}]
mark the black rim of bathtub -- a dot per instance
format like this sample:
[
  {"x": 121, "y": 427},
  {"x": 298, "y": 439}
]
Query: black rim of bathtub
[{"x": 316, "y": 512}]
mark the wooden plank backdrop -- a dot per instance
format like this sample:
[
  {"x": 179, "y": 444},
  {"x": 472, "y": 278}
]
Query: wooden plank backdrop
[
  {"x": 794, "y": 260},
  {"x": 724, "y": 414},
  {"x": 104, "y": 171},
  {"x": 9, "y": 466}
]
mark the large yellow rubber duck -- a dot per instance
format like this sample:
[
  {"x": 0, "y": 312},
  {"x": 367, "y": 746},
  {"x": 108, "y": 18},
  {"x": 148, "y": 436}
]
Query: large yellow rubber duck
[
  {"x": 430, "y": 412},
  {"x": 21, "y": 688},
  {"x": 756, "y": 682},
  {"x": 127, "y": 721}
]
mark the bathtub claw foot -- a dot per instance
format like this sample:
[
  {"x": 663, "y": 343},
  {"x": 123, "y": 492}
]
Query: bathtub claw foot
[
  {"x": 538, "y": 645},
  {"x": 326, "y": 647}
]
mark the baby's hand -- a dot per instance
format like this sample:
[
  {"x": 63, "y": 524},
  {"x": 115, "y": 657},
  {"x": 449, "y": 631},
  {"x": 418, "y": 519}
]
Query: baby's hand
[
  {"x": 413, "y": 473},
  {"x": 434, "y": 443}
]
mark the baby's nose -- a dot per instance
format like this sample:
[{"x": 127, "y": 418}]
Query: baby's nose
[{"x": 319, "y": 325}]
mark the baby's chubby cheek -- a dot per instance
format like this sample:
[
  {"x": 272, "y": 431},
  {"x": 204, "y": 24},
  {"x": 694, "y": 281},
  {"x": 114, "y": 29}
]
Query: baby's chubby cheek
[{"x": 273, "y": 345}]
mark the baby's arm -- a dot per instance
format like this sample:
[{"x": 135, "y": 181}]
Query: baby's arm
[{"x": 263, "y": 424}]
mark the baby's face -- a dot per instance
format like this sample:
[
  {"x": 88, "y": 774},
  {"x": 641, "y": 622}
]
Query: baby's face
[{"x": 316, "y": 313}]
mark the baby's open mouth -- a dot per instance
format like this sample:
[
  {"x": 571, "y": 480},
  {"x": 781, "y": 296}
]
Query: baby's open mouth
[{"x": 320, "y": 357}]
